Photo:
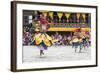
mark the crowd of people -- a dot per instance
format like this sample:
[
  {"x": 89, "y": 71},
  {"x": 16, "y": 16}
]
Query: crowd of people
[{"x": 58, "y": 39}]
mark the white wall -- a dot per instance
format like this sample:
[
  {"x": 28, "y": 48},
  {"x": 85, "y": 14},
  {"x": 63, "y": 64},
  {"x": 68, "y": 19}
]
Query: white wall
[{"x": 5, "y": 36}]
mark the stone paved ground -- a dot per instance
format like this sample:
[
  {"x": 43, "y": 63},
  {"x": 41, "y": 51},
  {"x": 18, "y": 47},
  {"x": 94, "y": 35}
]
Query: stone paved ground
[{"x": 59, "y": 53}]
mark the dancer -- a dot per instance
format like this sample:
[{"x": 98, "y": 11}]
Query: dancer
[
  {"x": 41, "y": 39},
  {"x": 75, "y": 42},
  {"x": 80, "y": 44}
]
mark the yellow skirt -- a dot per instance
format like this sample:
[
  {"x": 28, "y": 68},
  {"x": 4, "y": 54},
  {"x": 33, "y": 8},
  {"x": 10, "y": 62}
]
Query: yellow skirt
[{"x": 42, "y": 37}]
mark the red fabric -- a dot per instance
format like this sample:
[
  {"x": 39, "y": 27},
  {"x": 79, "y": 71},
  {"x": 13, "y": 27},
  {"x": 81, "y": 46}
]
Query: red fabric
[{"x": 43, "y": 21}]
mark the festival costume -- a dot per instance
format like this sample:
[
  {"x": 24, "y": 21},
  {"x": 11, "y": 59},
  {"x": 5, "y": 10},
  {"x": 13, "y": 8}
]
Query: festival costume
[{"x": 41, "y": 39}]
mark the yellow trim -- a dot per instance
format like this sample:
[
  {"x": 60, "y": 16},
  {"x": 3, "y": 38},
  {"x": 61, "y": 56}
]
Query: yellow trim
[{"x": 68, "y": 29}]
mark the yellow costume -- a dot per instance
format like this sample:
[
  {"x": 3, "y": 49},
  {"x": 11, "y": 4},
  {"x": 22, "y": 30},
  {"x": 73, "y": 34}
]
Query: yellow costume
[{"x": 42, "y": 38}]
